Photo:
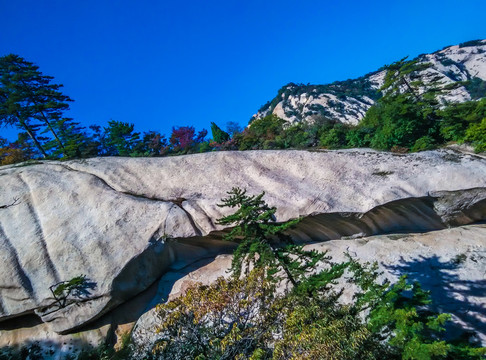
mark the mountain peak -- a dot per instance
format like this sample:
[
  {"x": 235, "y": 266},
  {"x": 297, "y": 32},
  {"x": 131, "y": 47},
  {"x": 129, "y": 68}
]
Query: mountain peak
[{"x": 347, "y": 101}]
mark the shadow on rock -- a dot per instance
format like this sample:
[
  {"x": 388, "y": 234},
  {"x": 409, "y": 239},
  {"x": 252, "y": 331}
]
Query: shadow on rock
[
  {"x": 187, "y": 257},
  {"x": 45, "y": 350},
  {"x": 450, "y": 293}
]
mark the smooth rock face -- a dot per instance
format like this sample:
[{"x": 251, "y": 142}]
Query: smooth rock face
[
  {"x": 67, "y": 224},
  {"x": 110, "y": 218},
  {"x": 450, "y": 263}
]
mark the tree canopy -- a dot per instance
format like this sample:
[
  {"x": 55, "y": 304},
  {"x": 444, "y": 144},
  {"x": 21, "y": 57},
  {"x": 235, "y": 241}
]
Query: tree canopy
[{"x": 30, "y": 101}]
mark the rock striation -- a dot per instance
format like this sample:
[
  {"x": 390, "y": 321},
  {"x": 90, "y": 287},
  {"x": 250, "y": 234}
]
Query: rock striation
[{"x": 124, "y": 222}]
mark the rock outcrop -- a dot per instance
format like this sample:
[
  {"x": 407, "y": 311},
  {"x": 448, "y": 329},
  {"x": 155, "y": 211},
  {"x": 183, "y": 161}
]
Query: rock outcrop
[
  {"x": 123, "y": 222},
  {"x": 347, "y": 101}
]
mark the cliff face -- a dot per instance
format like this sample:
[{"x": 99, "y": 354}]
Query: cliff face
[
  {"x": 125, "y": 222},
  {"x": 347, "y": 101}
]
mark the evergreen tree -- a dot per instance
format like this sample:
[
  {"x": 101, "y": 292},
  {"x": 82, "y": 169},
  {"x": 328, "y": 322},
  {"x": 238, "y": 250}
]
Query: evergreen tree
[
  {"x": 401, "y": 77},
  {"x": 29, "y": 100},
  {"x": 77, "y": 142},
  {"x": 262, "y": 243},
  {"x": 153, "y": 144},
  {"x": 246, "y": 317},
  {"x": 120, "y": 138},
  {"x": 219, "y": 136}
]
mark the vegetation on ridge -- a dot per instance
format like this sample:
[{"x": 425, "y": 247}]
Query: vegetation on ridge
[{"x": 407, "y": 116}]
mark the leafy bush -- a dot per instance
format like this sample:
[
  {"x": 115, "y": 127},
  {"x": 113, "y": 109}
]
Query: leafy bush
[
  {"x": 184, "y": 139},
  {"x": 476, "y": 134},
  {"x": 359, "y": 136},
  {"x": 294, "y": 136},
  {"x": 335, "y": 138},
  {"x": 399, "y": 122},
  {"x": 424, "y": 143},
  {"x": 261, "y": 132},
  {"x": 456, "y": 118},
  {"x": 245, "y": 318},
  {"x": 11, "y": 153}
]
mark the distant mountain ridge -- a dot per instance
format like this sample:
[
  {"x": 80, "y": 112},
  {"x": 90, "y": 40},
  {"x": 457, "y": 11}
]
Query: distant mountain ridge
[{"x": 347, "y": 101}]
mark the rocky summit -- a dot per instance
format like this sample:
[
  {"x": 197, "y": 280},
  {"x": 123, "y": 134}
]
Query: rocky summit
[
  {"x": 347, "y": 101},
  {"x": 135, "y": 228}
]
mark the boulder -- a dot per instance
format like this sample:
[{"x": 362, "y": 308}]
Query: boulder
[{"x": 122, "y": 222}]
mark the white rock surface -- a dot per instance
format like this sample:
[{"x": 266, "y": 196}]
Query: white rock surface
[{"x": 109, "y": 218}]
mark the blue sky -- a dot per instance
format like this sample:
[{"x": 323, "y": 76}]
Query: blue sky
[{"x": 160, "y": 64}]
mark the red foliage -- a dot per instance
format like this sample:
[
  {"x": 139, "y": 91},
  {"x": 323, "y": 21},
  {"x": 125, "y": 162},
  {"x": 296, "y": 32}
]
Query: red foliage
[{"x": 184, "y": 138}]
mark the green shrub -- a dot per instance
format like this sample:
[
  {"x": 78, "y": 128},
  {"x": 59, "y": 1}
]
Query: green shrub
[
  {"x": 476, "y": 134},
  {"x": 454, "y": 119},
  {"x": 335, "y": 138},
  {"x": 424, "y": 143},
  {"x": 295, "y": 136},
  {"x": 359, "y": 136},
  {"x": 261, "y": 133}
]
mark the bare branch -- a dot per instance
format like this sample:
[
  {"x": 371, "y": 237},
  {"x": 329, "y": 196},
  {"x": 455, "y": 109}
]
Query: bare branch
[{"x": 15, "y": 202}]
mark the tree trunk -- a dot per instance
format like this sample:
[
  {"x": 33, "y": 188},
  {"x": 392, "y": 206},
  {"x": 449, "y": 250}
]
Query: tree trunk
[
  {"x": 412, "y": 91},
  {"x": 46, "y": 121},
  {"x": 31, "y": 134},
  {"x": 51, "y": 130},
  {"x": 39, "y": 146}
]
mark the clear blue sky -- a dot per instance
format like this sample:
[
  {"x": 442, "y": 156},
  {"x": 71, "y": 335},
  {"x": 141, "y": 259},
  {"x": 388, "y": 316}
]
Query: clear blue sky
[{"x": 160, "y": 64}]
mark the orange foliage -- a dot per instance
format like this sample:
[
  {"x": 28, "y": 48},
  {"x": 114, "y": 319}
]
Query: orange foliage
[{"x": 11, "y": 155}]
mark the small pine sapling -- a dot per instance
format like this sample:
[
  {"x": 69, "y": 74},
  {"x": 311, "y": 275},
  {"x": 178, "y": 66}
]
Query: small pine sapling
[{"x": 76, "y": 287}]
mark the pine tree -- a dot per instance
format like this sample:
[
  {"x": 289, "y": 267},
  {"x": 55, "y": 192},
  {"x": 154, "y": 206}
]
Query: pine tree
[
  {"x": 262, "y": 243},
  {"x": 400, "y": 77},
  {"x": 30, "y": 101},
  {"x": 120, "y": 138},
  {"x": 219, "y": 136},
  {"x": 77, "y": 142}
]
